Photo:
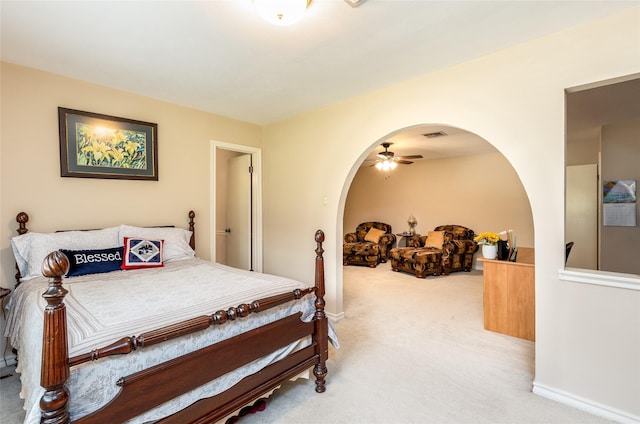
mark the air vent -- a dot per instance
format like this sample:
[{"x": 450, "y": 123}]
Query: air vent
[{"x": 435, "y": 134}]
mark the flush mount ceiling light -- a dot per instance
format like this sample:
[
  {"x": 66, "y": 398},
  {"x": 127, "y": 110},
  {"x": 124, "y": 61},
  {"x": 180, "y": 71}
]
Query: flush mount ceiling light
[{"x": 281, "y": 12}]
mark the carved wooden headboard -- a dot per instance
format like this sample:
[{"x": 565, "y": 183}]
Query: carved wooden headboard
[{"x": 22, "y": 218}]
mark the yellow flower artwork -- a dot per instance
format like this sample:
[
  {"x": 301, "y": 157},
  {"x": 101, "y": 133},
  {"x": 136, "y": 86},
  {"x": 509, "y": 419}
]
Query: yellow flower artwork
[
  {"x": 93, "y": 145},
  {"x": 108, "y": 147}
]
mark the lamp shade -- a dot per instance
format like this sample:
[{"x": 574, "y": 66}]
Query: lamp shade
[{"x": 281, "y": 12}]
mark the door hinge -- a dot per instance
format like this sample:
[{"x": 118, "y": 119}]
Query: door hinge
[{"x": 250, "y": 169}]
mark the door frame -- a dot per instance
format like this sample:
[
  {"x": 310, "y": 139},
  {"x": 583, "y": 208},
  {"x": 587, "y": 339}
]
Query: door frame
[{"x": 256, "y": 204}]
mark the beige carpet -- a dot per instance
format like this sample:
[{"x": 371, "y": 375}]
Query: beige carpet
[{"x": 413, "y": 351}]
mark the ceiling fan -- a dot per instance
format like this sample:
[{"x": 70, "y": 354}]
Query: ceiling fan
[{"x": 388, "y": 160}]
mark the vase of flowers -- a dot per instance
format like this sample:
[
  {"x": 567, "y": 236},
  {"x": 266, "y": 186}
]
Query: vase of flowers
[{"x": 489, "y": 242}]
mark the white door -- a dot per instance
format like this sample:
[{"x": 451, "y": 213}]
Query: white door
[
  {"x": 582, "y": 215},
  {"x": 223, "y": 183},
  {"x": 239, "y": 237}
]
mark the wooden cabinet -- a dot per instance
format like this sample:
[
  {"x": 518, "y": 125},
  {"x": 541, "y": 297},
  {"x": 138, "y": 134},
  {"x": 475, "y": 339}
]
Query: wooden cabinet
[{"x": 509, "y": 295}]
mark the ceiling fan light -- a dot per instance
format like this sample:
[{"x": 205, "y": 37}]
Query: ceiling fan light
[
  {"x": 386, "y": 165},
  {"x": 281, "y": 12}
]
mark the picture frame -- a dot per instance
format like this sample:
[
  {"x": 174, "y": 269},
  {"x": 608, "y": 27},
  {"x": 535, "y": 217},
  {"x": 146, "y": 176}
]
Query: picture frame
[{"x": 94, "y": 145}]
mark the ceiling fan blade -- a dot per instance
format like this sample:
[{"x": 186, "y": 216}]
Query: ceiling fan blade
[
  {"x": 410, "y": 157},
  {"x": 404, "y": 162}
]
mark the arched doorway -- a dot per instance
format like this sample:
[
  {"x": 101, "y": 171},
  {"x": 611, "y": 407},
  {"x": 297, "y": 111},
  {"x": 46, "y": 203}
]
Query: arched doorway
[{"x": 462, "y": 180}]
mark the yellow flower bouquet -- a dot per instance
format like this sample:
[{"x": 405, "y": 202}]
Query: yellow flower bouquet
[{"x": 487, "y": 238}]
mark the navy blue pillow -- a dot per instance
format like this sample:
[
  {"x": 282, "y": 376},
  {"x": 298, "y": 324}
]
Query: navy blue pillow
[{"x": 82, "y": 262}]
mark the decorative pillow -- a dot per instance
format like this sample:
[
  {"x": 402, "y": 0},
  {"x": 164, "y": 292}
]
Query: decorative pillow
[
  {"x": 82, "y": 262},
  {"x": 435, "y": 239},
  {"x": 142, "y": 253},
  {"x": 374, "y": 235},
  {"x": 176, "y": 240},
  {"x": 30, "y": 249}
]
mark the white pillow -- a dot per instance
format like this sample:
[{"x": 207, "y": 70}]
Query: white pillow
[
  {"x": 176, "y": 240},
  {"x": 30, "y": 249}
]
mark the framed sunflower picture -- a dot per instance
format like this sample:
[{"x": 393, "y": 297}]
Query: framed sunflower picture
[{"x": 93, "y": 145}]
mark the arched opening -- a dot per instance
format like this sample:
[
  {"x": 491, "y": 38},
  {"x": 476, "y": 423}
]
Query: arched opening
[
  {"x": 461, "y": 179},
  {"x": 434, "y": 326}
]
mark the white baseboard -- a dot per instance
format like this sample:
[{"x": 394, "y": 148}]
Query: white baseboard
[
  {"x": 335, "y": 317},
  {"x": 585, "y": 404}
]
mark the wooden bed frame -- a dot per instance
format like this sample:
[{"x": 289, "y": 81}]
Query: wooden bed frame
[{"x": 149, "y": 388}]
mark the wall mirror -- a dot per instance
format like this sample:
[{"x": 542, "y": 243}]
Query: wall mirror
[{"x": 602, "y": 147}]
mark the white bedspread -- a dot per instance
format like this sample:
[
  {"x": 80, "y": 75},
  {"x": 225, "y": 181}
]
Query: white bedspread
[{"x": 106, "y": 307}]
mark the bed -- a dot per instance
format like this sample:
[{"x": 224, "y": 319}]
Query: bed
[{"x": 175, "y": 340}]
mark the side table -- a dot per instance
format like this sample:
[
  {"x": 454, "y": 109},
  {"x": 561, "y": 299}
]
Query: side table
[{"x": 405, "y": 237}]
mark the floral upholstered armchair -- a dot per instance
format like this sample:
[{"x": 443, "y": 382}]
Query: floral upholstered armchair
[
  {"x": 369, "y": 245},
  {"x": 446, "y": 249}
]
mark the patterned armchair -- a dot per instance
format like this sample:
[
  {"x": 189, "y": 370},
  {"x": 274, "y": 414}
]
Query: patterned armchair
[
  {"x": 446, "y": 249},
  {"x": 369, "y": 245}
]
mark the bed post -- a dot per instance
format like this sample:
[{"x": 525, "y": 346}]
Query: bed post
[
  {"x": 192, "y": 224},
  {"x": 55, "y": 351},
  {"x": 22, "y": 218},
  {"x": 321, "y": 333}
]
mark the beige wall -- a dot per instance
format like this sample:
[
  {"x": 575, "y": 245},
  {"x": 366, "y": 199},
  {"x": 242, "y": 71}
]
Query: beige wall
[
  {"x": 481, "y": 192},
  {"x": 30, "y": 170},
  {"x": 588, "y": 336},
  {"x": 584, "y": 152},
  {"x": 620, "y": 246}
]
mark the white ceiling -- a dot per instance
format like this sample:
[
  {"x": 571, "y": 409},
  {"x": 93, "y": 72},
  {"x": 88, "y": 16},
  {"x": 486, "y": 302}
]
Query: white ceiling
[
  {"x": 412, "y": 141},
  {"x": 219, "y": 56}
]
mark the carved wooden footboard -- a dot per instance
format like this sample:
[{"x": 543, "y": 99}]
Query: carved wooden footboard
[{"x": 144, "y": 390}]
